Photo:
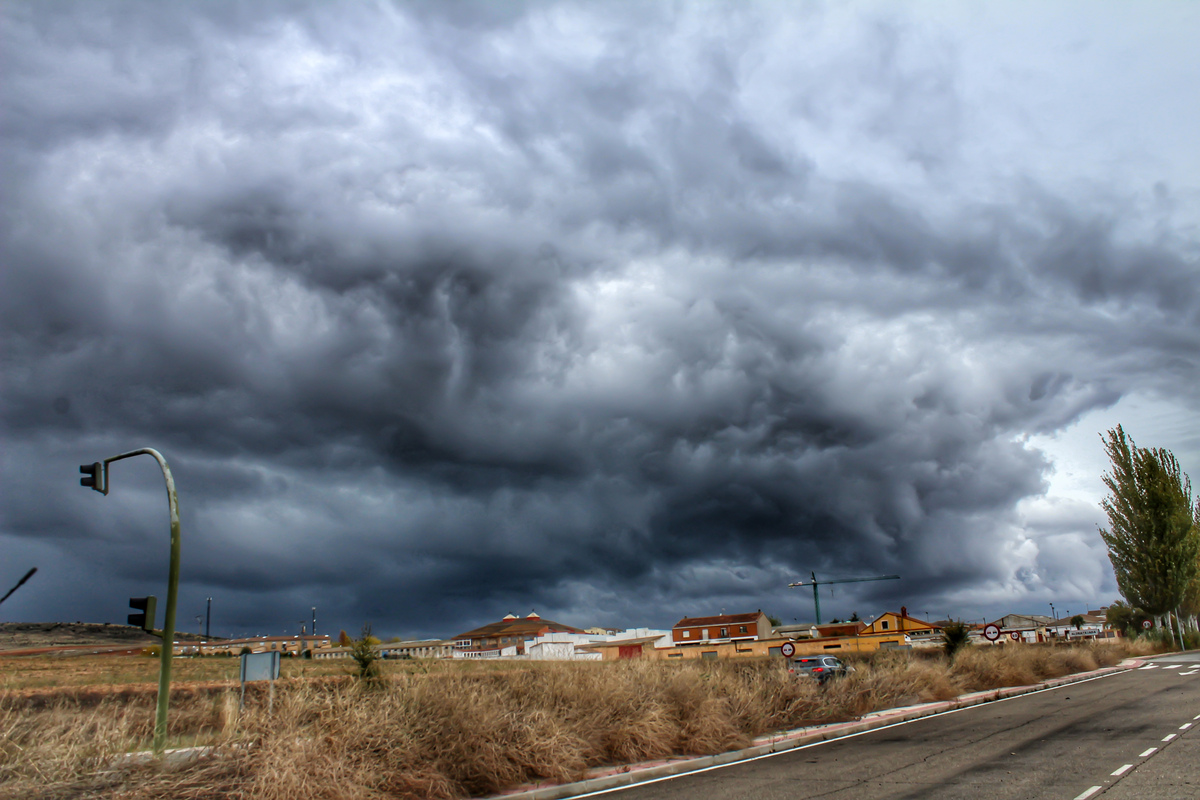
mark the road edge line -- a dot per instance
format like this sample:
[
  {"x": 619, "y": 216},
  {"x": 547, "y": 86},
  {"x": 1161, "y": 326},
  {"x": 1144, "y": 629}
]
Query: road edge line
[{"x": 797, "y": 739}]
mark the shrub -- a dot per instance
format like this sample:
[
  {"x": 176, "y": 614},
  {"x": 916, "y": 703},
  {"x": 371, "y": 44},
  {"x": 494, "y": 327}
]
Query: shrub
[
  {"x": 363, "y": 652},
  {"x": 955, "y": 637}
]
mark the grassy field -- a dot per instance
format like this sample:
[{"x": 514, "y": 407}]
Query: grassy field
[
  {"x": 444, "y": 730},
  {"x": 33, "y": 672}
]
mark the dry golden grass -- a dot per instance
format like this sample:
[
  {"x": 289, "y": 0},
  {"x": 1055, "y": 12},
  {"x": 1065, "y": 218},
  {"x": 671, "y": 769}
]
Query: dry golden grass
[
  {"x": 30, "y": 672},
  {"x": 443, "y": 730}
]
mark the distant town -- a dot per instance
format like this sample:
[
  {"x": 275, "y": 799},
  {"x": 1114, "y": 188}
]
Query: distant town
[{"x": 753, "y": 633}]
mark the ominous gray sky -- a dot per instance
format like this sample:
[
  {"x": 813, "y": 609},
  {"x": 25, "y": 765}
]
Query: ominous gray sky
[{"x": 619, "y": 312}]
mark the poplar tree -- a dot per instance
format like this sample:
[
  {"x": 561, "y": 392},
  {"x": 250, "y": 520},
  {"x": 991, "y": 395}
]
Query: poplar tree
[{"x": 1154, "y": 530}]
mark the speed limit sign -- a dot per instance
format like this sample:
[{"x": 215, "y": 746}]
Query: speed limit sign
[{"x": 788, "y": 649}]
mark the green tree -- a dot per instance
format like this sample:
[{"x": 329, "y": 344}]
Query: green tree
[
  {"x": 1077, "y": 621},
  {"x": 1153, "y": 537},
  {"x": 362, "y": 650},
  {"x": 1125, "y": 618}
]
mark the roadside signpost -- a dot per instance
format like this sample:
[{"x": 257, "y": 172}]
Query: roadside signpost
[
  {"x": 1146, "y": 624},
  {"x": 788, "y": 649},
  {"x": 991, "y": 632},
  {"x": 260, "y": 667}
]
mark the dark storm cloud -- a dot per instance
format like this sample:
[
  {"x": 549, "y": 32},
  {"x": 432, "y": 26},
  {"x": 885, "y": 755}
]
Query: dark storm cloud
[{"x": 440, "y": 314}]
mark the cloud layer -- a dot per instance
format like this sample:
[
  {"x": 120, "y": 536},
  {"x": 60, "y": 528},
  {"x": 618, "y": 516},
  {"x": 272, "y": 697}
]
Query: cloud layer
[{"x": 442, "y": 314}]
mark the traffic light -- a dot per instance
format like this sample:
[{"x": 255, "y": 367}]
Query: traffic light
[
  {"x": 93, "y": 477},
  {"x": 146, "y": 605}
]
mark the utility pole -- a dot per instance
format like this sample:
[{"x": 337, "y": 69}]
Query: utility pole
[
  {"x": 20, "y": 583},
  {"x": 314, "y": 625},
  {"x": 208, "y": 620},
  {"x": 814, "y": 583}
]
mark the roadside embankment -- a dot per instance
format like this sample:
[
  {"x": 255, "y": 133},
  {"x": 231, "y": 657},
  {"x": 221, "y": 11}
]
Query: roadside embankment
[{"x": 440, "y": 730}]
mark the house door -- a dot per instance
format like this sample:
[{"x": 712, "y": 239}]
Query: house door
[{"x": 629, "y": 651}]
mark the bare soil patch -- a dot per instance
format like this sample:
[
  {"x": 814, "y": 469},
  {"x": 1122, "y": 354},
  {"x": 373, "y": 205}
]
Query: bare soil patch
[{"x": 34, "y": 635}]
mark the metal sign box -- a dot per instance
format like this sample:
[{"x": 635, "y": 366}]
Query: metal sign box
[{"x": 260, "y": 666}]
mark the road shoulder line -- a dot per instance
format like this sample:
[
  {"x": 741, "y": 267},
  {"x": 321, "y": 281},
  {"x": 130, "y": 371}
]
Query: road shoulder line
[{"x": 628, "y": 775}]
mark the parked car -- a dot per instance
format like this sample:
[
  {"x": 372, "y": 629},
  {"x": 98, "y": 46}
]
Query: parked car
[{"x": 820, "y": 668}]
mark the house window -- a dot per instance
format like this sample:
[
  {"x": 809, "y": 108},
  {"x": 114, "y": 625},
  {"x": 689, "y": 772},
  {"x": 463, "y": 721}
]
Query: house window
[
  {"x": 705, "y": 636},
  {"x": 724, "y": 633},
  {"x": 742, "y": 629},
  {"x": 883, "y": 625},
  {"x": 686, "y": 634},
  {"x": 709, "y": 654}
]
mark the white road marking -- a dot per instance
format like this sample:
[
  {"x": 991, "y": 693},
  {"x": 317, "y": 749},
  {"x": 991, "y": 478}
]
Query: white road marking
[
  {"x": 1149, "y": 752},
  {"x": 1123, "y": 769},
  {"x": 1193, "y": 672},
  {"x": 1149, "y": 666},
  {"x": 798, "y": 748},
  {"x": 1169, "y": 737},
  {"x": 1185, "y": 726},
  {"x": 1089, "y": 793}
]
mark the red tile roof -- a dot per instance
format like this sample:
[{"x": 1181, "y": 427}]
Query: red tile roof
[
  {"x": 723, "y": 619},
  {"x": 529, "y": 627}
]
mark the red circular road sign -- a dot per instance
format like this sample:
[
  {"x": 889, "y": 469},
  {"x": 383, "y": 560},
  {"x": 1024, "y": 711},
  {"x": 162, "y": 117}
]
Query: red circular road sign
[
  {"x": 788, "y": 649},
  {"x": 1015, "y": 635},
  {"x": 991, "y": 632},
  {"x": 1146, "y": 624}
]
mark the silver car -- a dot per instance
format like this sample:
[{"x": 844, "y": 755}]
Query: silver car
[{"x": 821, "y": 668}]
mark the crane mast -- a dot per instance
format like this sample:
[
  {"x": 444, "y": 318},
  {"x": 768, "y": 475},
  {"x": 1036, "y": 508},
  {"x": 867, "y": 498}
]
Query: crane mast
[{"x": 814, "y": 583}]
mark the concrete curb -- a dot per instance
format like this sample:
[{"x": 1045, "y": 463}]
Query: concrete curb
[
  {"x": 173, "y": 758},
  {"x": 799, "y": 737}
]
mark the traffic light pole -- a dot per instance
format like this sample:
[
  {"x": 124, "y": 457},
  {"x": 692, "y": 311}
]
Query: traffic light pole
[{"x": 168, "y": 631}]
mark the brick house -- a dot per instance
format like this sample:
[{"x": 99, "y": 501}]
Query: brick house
[
  {"x": 722, "y": 628},
  {"x": 918, "y": 631},
  {"x": 507, "y": 637}
]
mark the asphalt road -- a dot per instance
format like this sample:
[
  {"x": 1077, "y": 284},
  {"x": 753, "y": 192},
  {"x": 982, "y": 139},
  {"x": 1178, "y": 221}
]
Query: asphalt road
[{"x": 1130, "y": 736}]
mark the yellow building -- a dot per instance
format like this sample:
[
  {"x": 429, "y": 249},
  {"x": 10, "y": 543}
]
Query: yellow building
[{"x": 891, "y": 630}]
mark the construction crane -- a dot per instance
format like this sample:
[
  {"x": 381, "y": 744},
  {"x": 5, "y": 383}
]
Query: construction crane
[{"x": 815, "y": 583}]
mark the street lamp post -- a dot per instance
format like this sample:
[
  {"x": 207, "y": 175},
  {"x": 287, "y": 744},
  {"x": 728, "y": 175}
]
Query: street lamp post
[{"x": 97, "y": 479}]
